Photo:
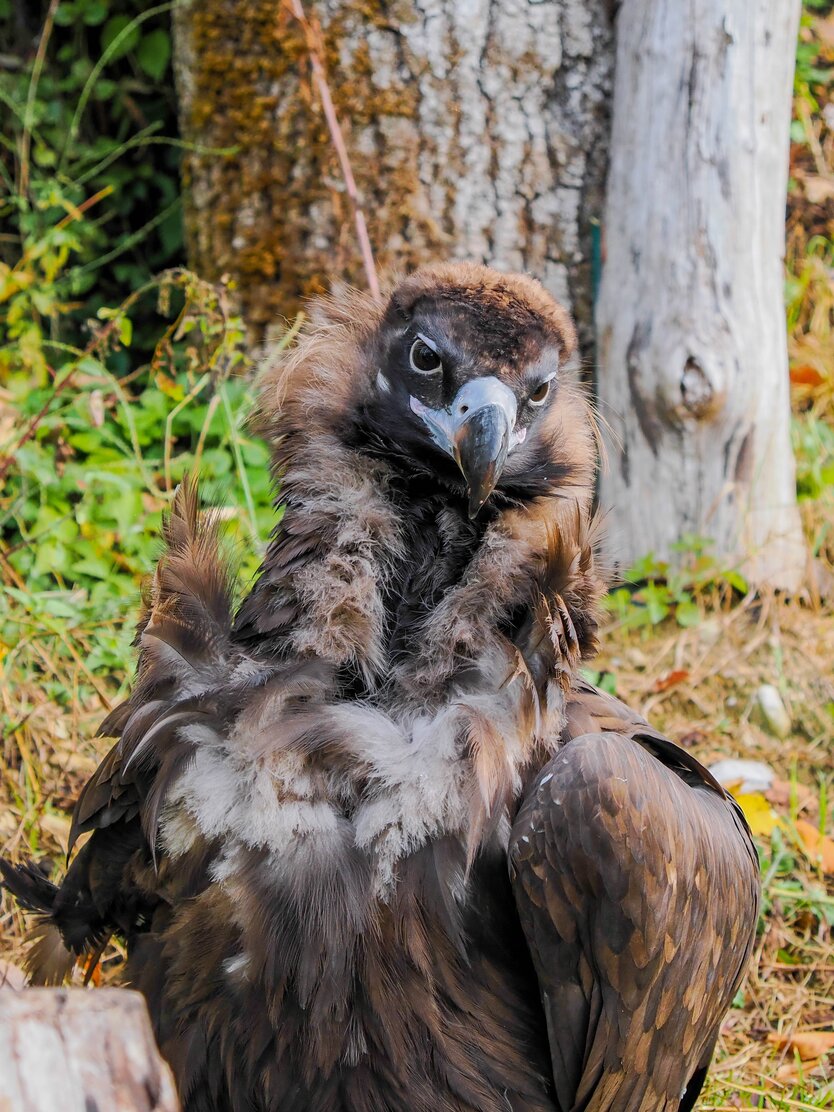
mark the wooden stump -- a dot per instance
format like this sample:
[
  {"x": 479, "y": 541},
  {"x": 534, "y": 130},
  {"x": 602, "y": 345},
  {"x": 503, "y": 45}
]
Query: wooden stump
[{"x": 80, "y": 1051}]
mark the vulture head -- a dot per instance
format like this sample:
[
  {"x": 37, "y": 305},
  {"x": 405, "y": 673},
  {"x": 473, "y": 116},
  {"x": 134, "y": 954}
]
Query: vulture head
[
  {"x": 457, "y": 381},
  {"x": 436, "y": 452},
  {"x": 467, "y": 364}
]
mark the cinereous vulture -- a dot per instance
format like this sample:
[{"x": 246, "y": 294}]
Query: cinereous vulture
[{"x": 372, "y": 842}]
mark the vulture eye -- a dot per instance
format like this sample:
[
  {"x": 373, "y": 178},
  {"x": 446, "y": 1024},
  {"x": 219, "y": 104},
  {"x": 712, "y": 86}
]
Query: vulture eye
[
  {"x": 539, "y": 395},
  {"x": 423, "y": 359}
]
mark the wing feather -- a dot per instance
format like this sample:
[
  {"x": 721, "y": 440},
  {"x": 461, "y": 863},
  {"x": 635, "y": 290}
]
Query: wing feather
[{"x": 636, "y": 883}]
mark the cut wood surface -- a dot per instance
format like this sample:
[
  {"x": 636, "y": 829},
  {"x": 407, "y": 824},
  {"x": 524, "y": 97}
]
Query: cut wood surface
[{"x": 80, "y": 1051}]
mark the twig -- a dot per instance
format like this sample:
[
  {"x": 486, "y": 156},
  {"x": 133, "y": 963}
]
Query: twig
[
  {"x": 336, "y": 134},
  {"x": 26, "y": 137}
]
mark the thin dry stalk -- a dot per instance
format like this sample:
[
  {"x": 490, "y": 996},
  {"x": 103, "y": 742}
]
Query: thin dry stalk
[
  {"x": 37, "y": 68},
  {"x": 314, "y": 48}
]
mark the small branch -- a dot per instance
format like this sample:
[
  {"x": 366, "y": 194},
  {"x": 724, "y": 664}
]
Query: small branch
[
  {"x": 26, "y": 137},
  {"x": 336, "y": 134}
]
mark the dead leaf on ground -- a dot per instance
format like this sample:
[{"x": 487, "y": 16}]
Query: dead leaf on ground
[
  {"x": 760, "y": 816},
  {"x": 806, "y": 375},
  {"x": 782, "y": 794},
  {"x": 792, "y": 1072},
  {"x": 12, "y": 977},
  {"x": 819, "y": 847},
  {"x": 663, "y": 683},
  {"x": 818, "y": 189},
  {"x": 807, "y": 1044}
]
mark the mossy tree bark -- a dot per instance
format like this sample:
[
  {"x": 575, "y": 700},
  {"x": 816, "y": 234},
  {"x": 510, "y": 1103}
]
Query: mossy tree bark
[
  {"x": 476, "y": 130},
  {"x": 693, "y": 375}
]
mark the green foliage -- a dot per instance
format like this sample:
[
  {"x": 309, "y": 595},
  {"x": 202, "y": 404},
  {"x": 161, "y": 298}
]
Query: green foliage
[
  {"x": 92, "y": 457},
  {"x": 103, "y": 449},
  {"x": 812, "y": 74},
  {"x": 90, "y": 120},
  {"x": 601, "y": 678},
  {"x": 813, "y": 443},
  {"x": 657, "y": 589},
  {"x": 105, "y": 401}
]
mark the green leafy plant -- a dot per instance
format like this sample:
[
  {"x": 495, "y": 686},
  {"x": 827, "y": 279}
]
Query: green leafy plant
[
  {"x": 813, "y": 443},
  {"x": 89, "y": 126},
  {"x": 656, "y": 589},
  {"x": 100, "y": 454}
]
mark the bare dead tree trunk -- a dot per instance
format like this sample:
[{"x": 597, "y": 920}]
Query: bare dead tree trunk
[
  {"x": 475, "y": 130},
  {"x": 693, "y": 371},
  {"x": 74, "y": 1050}
]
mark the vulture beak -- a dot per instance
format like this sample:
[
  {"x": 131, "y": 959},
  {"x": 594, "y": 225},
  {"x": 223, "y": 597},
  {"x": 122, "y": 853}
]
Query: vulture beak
[{"x": 477, "y": 431}]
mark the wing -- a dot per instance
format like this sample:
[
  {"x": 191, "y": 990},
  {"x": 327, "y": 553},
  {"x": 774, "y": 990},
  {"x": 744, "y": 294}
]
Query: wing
[{"x": 636, "y": 882}]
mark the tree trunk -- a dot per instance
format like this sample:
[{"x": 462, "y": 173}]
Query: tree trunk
[
  {"x": 79, "y": 1051},
  {"x": 693, "y": 375},
  {"x": 475, "y": 130}
]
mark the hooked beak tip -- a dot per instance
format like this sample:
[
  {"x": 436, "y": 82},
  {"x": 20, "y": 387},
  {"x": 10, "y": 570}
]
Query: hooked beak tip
[
  {"x": 481, "y": 447},
  {"x": 476, "y": 431},
  {"x": 476, "y": 503}
]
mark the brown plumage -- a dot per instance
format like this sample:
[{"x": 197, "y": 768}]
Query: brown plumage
[{"x": 371, "y": 841}]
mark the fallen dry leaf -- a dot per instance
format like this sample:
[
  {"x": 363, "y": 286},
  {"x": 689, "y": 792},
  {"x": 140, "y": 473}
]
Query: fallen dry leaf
[
  {"x": 818, "y": 189},
  {"x": 806, "y": 375},
  {"x": 807, "y": 1044},
  {"x": 819, "y": 847},
  {"x": 90, "y": 969},
  {"x": 791, "y": 1072},
  {"x": 12, "y": 977},
  {"x": 782, "y": 795},
  {"x": 761, "y": 817},
  {"x": 663, "y": 683}
]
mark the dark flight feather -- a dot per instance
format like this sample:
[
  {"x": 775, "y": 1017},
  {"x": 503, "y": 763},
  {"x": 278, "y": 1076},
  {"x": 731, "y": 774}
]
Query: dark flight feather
[{"x": 642, "y": 927}]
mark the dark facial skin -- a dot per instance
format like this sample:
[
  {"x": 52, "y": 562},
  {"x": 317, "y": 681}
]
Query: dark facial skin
[{"x": 460, "y": 399}]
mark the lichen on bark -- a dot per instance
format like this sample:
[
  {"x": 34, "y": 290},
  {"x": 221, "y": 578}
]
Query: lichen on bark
[{"x": 476, "y": 130}]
